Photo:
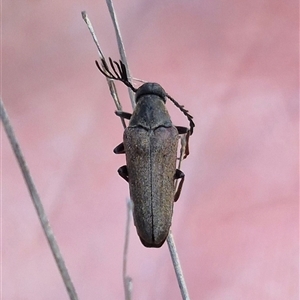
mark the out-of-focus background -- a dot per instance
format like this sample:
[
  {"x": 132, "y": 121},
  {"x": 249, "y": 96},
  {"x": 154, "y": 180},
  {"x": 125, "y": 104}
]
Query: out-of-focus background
[{"x": 234, "y": 65}]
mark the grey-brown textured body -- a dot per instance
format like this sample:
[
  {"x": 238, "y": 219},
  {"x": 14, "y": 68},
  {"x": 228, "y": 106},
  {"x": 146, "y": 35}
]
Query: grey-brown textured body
[{"x": 150, "y": 144}]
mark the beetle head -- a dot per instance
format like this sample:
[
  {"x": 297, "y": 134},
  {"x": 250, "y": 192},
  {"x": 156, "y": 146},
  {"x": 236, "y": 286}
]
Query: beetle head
[
  {"x": 119, "y": 73},
  {"x": 150, "y": 88}
]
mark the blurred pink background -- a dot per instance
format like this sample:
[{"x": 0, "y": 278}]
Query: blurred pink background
[{"x": 234, "y": 65}]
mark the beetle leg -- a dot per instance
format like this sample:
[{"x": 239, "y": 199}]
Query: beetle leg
[
  {"x": 119, "y": 149},
  {"x": 123, "y": 172},
  {"x": 123, "y": 114},
  {"x": 187, "y": 149},
  {"x": 184, "y": 130},
  {"x": 178, "y": 175}
]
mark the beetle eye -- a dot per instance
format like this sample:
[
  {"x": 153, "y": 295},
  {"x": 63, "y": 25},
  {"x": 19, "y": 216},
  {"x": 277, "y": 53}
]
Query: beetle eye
[{"x": 150, "y": 88}]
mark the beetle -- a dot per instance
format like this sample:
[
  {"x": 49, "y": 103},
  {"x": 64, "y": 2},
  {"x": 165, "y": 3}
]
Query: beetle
[{"x": 150, "y": 144}]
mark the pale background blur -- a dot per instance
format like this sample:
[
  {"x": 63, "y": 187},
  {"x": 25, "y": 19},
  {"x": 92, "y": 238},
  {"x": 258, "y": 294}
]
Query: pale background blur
[{"x": 234, "y": 65}]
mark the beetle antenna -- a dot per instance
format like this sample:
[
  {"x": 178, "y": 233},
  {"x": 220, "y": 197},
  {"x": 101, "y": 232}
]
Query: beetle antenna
[
  {"x": 185, "y": 112},
  {"x": 118, "y": 71}
]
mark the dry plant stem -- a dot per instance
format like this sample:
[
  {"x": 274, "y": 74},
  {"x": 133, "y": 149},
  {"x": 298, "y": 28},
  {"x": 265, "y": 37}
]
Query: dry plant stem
[
  {"x": 177, "y": 267},
  {"x": 37, "y": 204},
  {"x": 121, "y": 47},
  {"x": 127, "y": 281},
  {"x": 170, "y": 239},
  {"x": 111, "y": 84}
]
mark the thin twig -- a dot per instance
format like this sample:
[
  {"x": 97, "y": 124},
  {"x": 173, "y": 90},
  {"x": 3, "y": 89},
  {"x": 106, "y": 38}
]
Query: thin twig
[
  {"x": 170, "y": 239},
  {"x": 38, "y": 204},
  {"x": 177, "y": 267},
  {"x": 111, "y": 84},
  {"x": 127, "y": 280},
  {"x": 121, "y": 47}
]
